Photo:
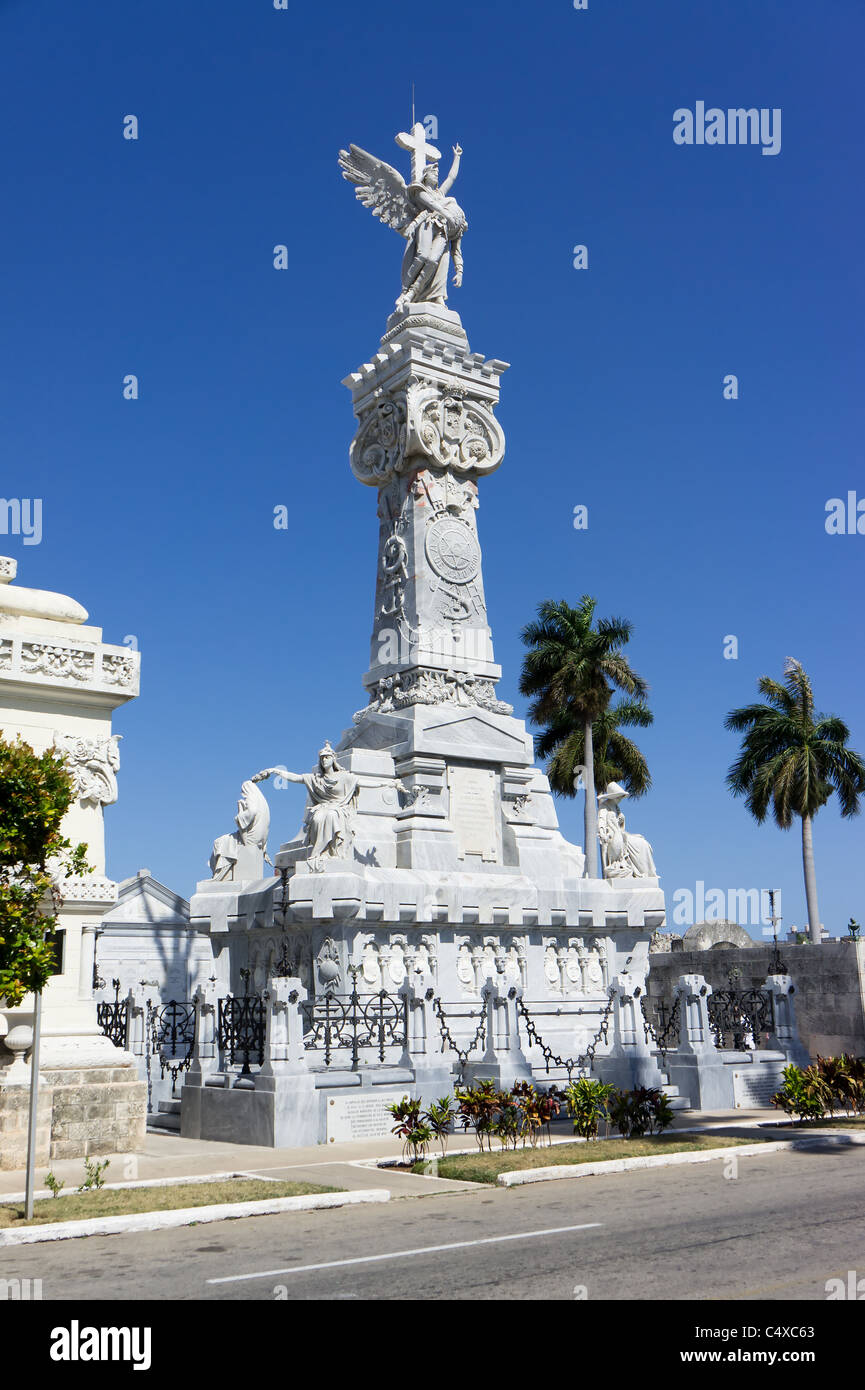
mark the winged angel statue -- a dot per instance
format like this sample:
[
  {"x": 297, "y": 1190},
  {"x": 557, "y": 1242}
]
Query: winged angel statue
[{"x": 431, "y": 222}]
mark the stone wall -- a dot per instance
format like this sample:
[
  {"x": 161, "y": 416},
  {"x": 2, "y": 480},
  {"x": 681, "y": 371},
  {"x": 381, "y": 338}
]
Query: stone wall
[
  {"x": 829, "y": 980},
  {"x": 14, "y": 1113},
  {"x": 97, "y": 1110}
]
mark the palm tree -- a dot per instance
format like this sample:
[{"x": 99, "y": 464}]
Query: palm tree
[
  {"x": 794, "y": 759},
  {"x": 616, "y": 757},
  {"x": 570, "y": 672}
]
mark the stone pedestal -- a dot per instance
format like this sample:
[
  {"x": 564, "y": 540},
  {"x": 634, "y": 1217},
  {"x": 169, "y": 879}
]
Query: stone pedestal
[{"x": 59, "y": 685}]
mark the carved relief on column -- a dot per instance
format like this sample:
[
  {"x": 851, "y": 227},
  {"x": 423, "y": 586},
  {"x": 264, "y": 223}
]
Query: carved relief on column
[
  {"x": 452, "y": 428},
  {"x": 442, "y": 423},
  {"x": 93, "y": 764},
  {"x": 377, "y": 451}
]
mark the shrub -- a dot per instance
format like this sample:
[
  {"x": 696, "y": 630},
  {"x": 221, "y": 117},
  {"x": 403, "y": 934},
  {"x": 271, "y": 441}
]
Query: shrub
[
  {"x": 803, "y": 1094},
  {"x": 843, "y": 1083},
  {"x": 644, "y": 1110},
  {"x": 410, "y": 1127},
  {"x": 538, "y": 1109},
  {"x": 588, "y": 1103},
  {"x": 478, "y": 1109},
  {"x": 94, "y": 1174},
  {"x": 440, "y": 1118}
]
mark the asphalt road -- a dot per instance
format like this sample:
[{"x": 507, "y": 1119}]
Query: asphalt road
[{"x": 779, "y": 1230}]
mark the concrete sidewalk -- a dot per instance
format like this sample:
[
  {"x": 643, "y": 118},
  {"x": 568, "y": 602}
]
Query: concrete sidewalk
[{"x": 168, "y": 1156}]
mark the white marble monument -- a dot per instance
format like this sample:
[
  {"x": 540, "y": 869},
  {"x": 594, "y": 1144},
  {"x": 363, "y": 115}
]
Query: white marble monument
[{"x": 430, "y": 844}]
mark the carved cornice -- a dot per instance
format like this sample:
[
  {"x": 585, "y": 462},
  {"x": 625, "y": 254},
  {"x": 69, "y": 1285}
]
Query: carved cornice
[
  {"x": 70, "y": 664},
  {"x": 87, "y": 888}
]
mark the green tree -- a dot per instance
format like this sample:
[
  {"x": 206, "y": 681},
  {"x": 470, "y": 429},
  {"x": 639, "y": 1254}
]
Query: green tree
[
  {"x": 36, "y": 791},
  {"x": 616, "y": 757},
  {"x": 793, "y": 759},
  {"x": 570, "y": 672}
]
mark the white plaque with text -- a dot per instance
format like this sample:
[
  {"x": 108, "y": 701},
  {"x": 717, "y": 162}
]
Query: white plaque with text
[
  {"x": 473, "y": 811},
  {"x": 361, "y": 1115},
  {"x": 754, "y": 1086}
]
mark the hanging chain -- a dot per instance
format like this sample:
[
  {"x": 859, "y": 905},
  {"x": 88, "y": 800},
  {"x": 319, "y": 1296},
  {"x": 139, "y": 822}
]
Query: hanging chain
[
  {"x": 552, "y": 1059},
  {"x": 448, "y": 1040}
]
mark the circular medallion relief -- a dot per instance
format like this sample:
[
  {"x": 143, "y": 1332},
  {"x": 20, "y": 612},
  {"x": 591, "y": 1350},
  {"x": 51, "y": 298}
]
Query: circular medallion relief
[{"x": 453, "y": 551}]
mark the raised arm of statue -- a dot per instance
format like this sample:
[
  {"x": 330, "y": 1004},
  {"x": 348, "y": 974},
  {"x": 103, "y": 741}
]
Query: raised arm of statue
[
  {"x": 279, "y": 772},
  {"x": 455, "y": 168},
  {"x": 458, "y": 262}
]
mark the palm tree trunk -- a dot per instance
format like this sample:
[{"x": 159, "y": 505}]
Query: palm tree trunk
[
  {"x": 591, "y": 815},
  {"x": 810, "y": 881}
]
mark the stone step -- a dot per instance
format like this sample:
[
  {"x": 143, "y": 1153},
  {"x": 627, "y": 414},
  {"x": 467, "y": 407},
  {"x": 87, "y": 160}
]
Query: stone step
[
  {"x": 677, "y": 1100},
  {"x": 166, "y": 1119},
  {"x": 680, "y": 1103}
]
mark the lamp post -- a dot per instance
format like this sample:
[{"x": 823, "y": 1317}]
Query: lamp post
[
  {"x": 776, "y": 965},
  {"x": 34, "y": 1107}
]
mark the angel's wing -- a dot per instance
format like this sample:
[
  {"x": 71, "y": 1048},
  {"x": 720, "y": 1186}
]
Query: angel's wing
[{"x": 378, "y": 186}]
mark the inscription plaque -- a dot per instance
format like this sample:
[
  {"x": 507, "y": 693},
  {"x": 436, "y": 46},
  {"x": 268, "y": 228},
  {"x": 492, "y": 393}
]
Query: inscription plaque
[
  {"x": 363, "y": 1115},
  {"x": 754, "y": 1086},
  {"x": 473, "y": 811}
]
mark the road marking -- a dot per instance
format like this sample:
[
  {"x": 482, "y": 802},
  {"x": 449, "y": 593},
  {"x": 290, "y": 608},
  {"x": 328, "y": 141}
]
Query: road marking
[{"x": 404, "y": 1254}]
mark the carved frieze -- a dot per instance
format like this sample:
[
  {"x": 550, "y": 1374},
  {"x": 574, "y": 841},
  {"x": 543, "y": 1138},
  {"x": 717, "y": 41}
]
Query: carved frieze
[
  {"x": 577, "y": 966},
  {"x": 425, "y": 686},
  {"x": 69, "y": 664},
  {"x": 52, "y": 660}
]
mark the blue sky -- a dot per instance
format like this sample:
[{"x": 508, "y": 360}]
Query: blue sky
[{"x": 706, "y": 516}]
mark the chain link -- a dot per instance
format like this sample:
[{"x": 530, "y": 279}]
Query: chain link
[
  {"x": 448, "y": 1040},
  {"x": 552, "y": 1059}
]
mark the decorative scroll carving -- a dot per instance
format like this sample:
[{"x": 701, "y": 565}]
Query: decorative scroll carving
[
  {"x": 378, "y": 450},
  {"x": 453, "y": 430},
  {"x": 444, "y": 426},
  {"x": 118, "y": 670},
  {"x": 93, "y": 764}
]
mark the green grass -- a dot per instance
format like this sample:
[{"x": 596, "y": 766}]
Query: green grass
[
  {"x": 485, "y": 1167},
  {"x": 124, "y": 1201},
  {"x": 841, "y": 1122}
]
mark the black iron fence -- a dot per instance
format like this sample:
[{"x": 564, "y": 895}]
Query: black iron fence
[
  {"x": 741, "y": 1019},
  {"x": 170, "y": 1038},
  {"x": 113, "y": 1017},
  {"x": 350, "y": 1022},
  {"x": 240, "y": 1030},
  {"x": 662, "y": 1022}
]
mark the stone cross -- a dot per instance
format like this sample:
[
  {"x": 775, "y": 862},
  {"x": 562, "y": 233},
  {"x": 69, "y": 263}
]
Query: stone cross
[{"x": 420, "y": 150}]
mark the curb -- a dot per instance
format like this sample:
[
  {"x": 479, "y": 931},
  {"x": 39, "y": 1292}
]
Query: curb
[
  {"x": 626, "y": 1165},
  {"x": 186, "y": 1216}
]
